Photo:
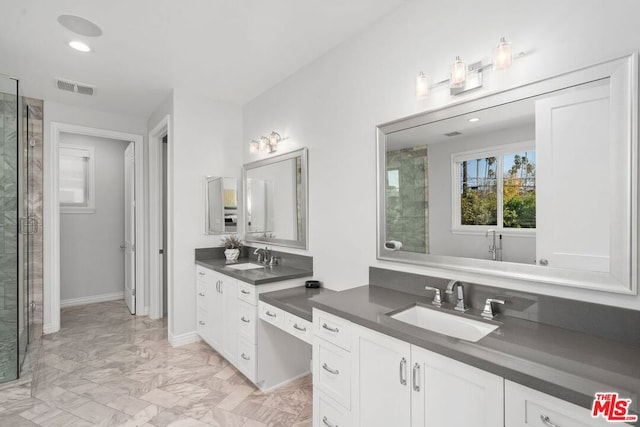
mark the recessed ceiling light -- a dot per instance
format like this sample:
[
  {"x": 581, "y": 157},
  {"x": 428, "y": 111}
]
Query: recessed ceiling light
[
  {"x": 80, "y": 25},
  {"x": 79, "y": 46},
  {"x": 474, "y": 119}
]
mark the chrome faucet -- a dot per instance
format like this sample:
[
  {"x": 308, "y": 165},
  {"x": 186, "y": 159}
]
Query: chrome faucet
[
  {"x": 263, "y": 255},
  {"x": 460, "y": 306},
  {"x": 493, "y": 250}
]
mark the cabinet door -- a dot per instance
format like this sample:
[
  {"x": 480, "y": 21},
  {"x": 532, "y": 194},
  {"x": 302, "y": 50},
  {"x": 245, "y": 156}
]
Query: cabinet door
[
  {"x": 216, "y": 315},
  {"x": 448, "y": 393},
  {"x": 381, "y": 372},
  {"x": 229, "y": 307}
]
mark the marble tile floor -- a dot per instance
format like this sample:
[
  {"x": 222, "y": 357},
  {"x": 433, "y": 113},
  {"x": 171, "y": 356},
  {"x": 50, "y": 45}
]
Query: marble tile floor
[{"x": 108, "y": 368}]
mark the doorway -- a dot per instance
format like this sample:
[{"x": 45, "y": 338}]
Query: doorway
[{"x": 53, "y": 217}]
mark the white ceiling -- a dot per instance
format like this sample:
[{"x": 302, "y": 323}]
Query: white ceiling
[{"x": 228, "y": 50}]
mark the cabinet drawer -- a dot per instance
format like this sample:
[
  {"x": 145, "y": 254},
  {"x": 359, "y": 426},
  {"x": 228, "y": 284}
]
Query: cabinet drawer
[
  {"x": 333, "y": 329},
  {"x": 246, "y": 321},
  {"x": 528, "y": 407},
  {"x": 204, "y": 275},
  {"x": 247, "y": 293},
  {"x": 271, "y": 314},
  {"x": 202, "y": 322},
  {"x": 298, "y": 327},
  {"x": 247, "y": 358},
  {"x": 332, "y": 371},
  {"x": 327, "y": 413},
  {"x": 202, "y": 295}
]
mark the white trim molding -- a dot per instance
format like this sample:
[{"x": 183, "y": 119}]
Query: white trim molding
[
  {"x": 91, "y": 299},
  {"x": 184, "y": 339},
  {"x": 51, "y": 219}
]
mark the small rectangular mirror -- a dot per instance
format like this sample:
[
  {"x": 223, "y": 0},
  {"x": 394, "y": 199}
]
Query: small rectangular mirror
[
  {"x": 276, "y": 200},
  {"x": 221, "y": 205}
]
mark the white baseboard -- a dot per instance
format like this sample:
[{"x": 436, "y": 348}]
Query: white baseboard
[
  {"x": 285, "y": 382},
  {"x": 48, "y": 328},
  {"x": 184, "y": 339},
  {"x": 91, "y": 299}
]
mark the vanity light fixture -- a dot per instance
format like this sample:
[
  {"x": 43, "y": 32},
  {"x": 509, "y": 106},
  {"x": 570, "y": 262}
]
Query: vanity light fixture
[
  {"x": 463, "y": 78},
  {"x": 266, "y": 144}
]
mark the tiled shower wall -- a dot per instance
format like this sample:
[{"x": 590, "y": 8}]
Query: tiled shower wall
[
  {"x": 8, "y": 237},
  {"x": 408, "y": 205}
]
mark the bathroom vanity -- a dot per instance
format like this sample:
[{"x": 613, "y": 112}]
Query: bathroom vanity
[
  {"x": 228, "y": 316},
  {"x": 373, "y": 370}
]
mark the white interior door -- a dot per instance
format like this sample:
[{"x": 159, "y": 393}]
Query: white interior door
[
  {"x": 129, "y": 229},
  {"x": 575, "y": 180}
]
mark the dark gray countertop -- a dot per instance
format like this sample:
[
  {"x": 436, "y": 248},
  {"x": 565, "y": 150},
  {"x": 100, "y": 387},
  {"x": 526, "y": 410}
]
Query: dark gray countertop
[
  {"x": 569, "y": 365},
  {"x": 296, "y": 301},
  {"x": 256, "y": 276}
]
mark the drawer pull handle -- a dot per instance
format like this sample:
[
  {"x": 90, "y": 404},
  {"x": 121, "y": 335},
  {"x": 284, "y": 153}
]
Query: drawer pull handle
[
  {"x": 416, "y": 383},
  {"x": 270, "y": 314},
  {"x": 244, "y": 291},
  {"x": 201, "y": 322},
  {"x": 328, "y": 369},
  {"x": 326, "y": 422},
  {"x": 201, "y": 294},
  {"x": 201, "y": 273},
  {"x": 330, "y": 329},
  {"x": 245, "y": 357},
  {"x": 295, "y": 326},
  {"x": 403, "y": 371},
  {"x": 245, "y": 320},
  {"x": 547, "y": 421}
]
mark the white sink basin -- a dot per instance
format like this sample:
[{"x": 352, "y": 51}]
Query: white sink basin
[
  {"x": 244, "y": 266},
  {"x": 445, "y": 323}
]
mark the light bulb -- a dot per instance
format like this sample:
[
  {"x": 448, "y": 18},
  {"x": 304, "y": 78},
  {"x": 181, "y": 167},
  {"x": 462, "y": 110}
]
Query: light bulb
[
  {"x": 422, "y": 85},
  {"x": 458, "y": 73},
  {"x": 79, "y": 46},
  {"x": 502, "y": 55}
]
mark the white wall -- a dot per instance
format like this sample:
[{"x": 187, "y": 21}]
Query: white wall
[
  {"x": 204, "y": 140},
  {"x": 91, "y": 261},
  {"x": 56, "y": 112},
  {"x": 333, "y": 105}
]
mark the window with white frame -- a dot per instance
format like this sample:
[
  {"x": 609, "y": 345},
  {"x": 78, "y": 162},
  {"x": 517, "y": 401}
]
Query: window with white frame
[
  {"x": 76, "y": 179},
  {"x": 495, "y": 188}
]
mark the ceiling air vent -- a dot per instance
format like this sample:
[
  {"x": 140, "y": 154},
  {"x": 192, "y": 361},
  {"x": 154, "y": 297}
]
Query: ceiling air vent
[
  {"x": 454, "y": 133},
  {"x": 81, "y": 88}
]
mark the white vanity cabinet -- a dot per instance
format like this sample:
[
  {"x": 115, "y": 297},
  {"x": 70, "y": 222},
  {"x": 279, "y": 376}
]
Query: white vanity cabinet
[
  {"x": 525, "y": 407},
  {"x": 399, "y": 384},
  {"x": 228, "y": 320},
  {"x": 217, "y": 311}
]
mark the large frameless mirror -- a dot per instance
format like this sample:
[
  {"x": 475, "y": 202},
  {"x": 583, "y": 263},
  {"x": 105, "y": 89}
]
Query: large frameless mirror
[
  {"x": 275, "y": 201},
  {"x": 535, "y": 183}
]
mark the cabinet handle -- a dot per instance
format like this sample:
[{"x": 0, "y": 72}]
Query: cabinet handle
[
  {"x": 201, "y": 273},
  {"x": 245, "y": 320},
  {"x": 547, "y": 421},
  {"x": 218, "y": 286},
  {"x": 326, "y": 422},
  {"x": 245, "y": 357},
  {"x": 403, "y": 371},
  {"x": 221, "y": 287},
  {"x": 335, "y": 330},
  {"x": 244, "y": 291},
  {"x": 416, "y": 377},
  {"x": 270, "y": 314},
  {"x": 328, "y": 369},
  {"x": 201, "y": 322},
  {"x": 201, "y": 294},
  {"x": 295, "y": 326}
]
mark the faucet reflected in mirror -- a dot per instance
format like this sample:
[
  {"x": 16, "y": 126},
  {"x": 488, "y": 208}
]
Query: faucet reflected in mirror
[{"x": 494, "y": 250}]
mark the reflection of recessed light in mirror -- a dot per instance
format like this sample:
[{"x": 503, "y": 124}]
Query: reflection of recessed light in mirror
[
  {"x": 474, "y": 119},
  {"x": 79, "y": 46}
]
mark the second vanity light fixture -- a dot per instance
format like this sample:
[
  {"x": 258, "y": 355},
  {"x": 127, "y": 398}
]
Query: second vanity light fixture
[
  {"x": 462, "y": 77},
  {"x": 266, "y": 144}
]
